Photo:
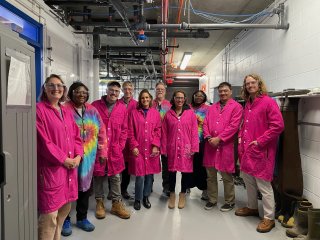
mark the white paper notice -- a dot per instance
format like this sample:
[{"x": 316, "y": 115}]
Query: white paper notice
[{"x": 19, "y": 83}]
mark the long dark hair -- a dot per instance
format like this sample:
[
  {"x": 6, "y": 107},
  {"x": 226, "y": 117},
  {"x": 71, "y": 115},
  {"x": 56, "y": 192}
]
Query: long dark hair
[
  {"x": 43, "y": 95},
  {"x": 193, "y": 104},
  {"x": 185, "y": 105},
  {"x": 74, "y": 86},
  {"x": 140, "y": 97}
]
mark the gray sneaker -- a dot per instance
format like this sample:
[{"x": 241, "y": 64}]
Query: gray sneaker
[
  {"x": 209, "y": 205},
  {"x": 227, "y": 207}
]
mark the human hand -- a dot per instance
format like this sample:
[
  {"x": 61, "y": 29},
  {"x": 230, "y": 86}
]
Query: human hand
[
  {"x": 69, "y": 163},
  {"x": 254, "y": 142},
  {"x": 155, "y": 151},
  {"x": 102, "y": 159},
  {"x": 135, "y": 152},
  {"x": 214, "y": 141}
]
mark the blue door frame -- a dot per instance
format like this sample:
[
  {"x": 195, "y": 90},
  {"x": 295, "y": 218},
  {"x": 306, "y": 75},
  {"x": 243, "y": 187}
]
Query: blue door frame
[{"x": 33, "y": 34}]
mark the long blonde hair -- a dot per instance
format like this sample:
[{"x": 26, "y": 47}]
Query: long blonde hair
[{"x": 262, "y": 86}]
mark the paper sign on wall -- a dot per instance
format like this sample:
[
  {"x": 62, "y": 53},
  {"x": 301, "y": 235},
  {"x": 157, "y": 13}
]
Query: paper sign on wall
[{"x": 19, "y": 92}]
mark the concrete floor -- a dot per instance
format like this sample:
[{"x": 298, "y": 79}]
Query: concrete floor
[{"x": 191, "y": 223}]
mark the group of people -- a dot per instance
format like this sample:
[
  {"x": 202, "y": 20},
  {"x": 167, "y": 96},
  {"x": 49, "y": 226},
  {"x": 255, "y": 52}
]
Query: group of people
[{"x": 79, "y": 145}]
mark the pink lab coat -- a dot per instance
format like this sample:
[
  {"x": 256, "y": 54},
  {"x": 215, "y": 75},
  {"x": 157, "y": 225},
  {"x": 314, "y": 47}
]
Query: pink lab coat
[
  {"x": 262, "y": 122},
  {"x": 130, "y": 106},
  {"x": 143, "y": 133},
  {"x": 223, "y": 124},
  {"x": 57, "y": 139},
  {"x": 179, "y": 139},
  {"x": 116, "y": 126}
]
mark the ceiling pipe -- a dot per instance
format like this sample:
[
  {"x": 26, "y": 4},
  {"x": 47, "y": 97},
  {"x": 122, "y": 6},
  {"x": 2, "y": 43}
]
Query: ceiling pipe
[
  {"x": 164, "y": 50},
  {"x": 198, "y": 34},
  {"x": 218, "y": 26},
  {"x": 122, "y": 13}
]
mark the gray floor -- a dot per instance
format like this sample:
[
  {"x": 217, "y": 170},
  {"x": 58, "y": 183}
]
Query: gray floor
[{"x": 190, "y": 223}]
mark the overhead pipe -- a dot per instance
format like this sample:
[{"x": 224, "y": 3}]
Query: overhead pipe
[
  {"x": 218, "y": 26},
  {"x": 164, "y": 50},
  {"x": 198, "y": 34},
  {"x": 120, "y": 9}
]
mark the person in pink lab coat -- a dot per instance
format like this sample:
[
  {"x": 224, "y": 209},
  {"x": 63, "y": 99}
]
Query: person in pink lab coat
[
  {"x": 131, "y": 104},
  {"x": 179, "y": 142},
  {"x": 219, "y": 128},
  {"x": 115, "y": 117},
  {"x": 258, "y": 136},
  {"x": 144, "y": 131},
  {"x": 163, "y": 106},
  {"x": 59, "y": 152}
]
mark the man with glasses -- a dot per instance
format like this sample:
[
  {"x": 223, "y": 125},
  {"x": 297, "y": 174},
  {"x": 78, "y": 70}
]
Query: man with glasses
[
  {"x": 162, "y": 105},
  {"x": 115, "y": 117},
  {"x": 130, "y": 103},
  {"x": 219, "y": 129}
]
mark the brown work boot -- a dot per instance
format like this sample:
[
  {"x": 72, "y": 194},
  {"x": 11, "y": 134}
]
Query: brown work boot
[
  {"x": 100, "y": 210},
  {"x": 245, "y": 212},
  {"x": 119, "y": 209},
  {"x": 265, "y": 225},
  {"x": 182, "y": 200},
  {"x": 172, "y": 200}
]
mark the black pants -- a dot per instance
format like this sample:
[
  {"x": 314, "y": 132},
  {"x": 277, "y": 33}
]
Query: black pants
[
  {"x": 82, "y": 205},
  {"x": 125, "y": 179},
  {"x": 185, "y": 181},
  {"x": 199, "y": 179},
  {"x": 165, "y": 173}
]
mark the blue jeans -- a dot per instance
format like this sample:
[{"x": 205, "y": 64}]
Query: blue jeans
[{"x": 143, "y": 186}]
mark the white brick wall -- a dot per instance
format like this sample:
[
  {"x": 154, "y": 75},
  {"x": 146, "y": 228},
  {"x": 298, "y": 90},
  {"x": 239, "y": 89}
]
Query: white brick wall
[{"x": 285, "y": 59}]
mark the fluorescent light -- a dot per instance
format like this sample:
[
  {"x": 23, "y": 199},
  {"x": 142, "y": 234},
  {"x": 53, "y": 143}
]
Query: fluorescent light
[
  {"x": 185, "y": 60},
  {"x": 187, "y": 77}
]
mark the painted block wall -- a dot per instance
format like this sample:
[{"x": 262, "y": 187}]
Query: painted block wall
[{"x": 285, "y": 59}]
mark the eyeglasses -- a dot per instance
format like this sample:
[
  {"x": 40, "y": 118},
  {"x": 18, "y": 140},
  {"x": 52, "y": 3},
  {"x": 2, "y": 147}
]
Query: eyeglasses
[
  {"x": 160, "y": 89},
  {"x": 179, "y": 98},
  {"x": 54, "y": 86},
  {"x": 199, "y": 96},
  {"x": 86, "y": 93},
  {"x": 113, "y": 91}
]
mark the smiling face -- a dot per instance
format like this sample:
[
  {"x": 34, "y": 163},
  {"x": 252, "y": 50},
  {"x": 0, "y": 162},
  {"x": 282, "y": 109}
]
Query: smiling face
[
  {"x": 252, "y": 86},
  {"x": 225, "y": 93},
  {"x": 113, "y": 94},
  {"x": 160, "y": 92},
  {"x": 80, "y": 96},
  {"x": 145, "y": 100},
  {"x": 198, "y": 98},
  {"x": 179, "y": 99},
  {"x": 127, "y": 91},
  {"x": 54, "y": 89}
]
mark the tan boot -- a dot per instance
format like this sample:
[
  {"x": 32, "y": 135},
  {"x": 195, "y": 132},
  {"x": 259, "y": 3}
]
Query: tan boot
[
  {"x": 119, "y": 209},
  {"x": 182, "y": 200},
  {"x": 172, "y": 200},
  {"x": 100, "y": 210},
  {"x": 265, "y": 225}
]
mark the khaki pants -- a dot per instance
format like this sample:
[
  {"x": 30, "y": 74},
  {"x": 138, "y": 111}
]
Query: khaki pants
[
  {"x": 50, "y": 224},
  {"x": 253, "y": 185},
  {"x": 212, "y": 183}
]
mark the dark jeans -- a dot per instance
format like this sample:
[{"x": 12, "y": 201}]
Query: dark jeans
[
  {"x": 82, "y": 205},
  {"x": 143, "y": 186},
  {"x": 125, "y": 179},
  {"x": 185, "y": 181},
  {"x": 165, "y": 173}
]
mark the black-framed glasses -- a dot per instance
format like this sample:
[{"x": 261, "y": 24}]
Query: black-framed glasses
[{"x": 84, "y": 93}]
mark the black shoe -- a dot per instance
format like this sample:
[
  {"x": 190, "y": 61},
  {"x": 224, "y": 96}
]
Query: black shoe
[
  {"x": 146, "y": 202},
  {"x": 209, "y": 205},
  {"x": 136, "y": 205},
  {"x": 227, "y": 207},
  {"x": 166, "y": 192},
  {"x": 126, "y": 195}
]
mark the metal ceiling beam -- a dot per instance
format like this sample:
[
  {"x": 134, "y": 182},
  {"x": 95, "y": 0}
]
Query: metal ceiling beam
[{"x": 129, "y": 49}]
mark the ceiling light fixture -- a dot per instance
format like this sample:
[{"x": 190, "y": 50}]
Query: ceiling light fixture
[{"x": 185, "y": 60}]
